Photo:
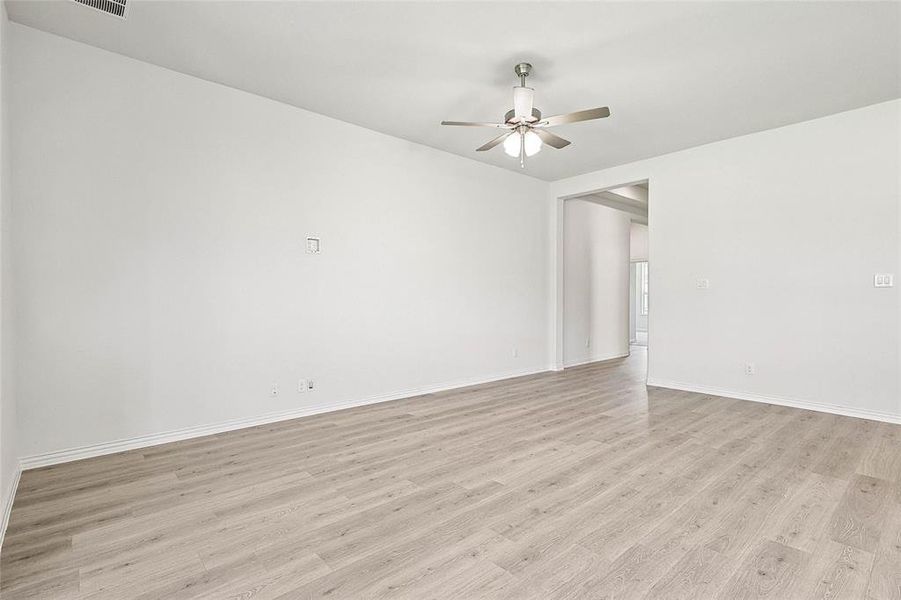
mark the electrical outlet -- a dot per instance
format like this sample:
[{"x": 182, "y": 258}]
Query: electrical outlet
[
  {"x": 750, "y": 369},
  {"x": 273, "y": 391},
  {"x": 302, "y": 386},
  {"x": 516, "y": 353},
  {"x": 703, "y": 284},
  {"x": 310, "y": 385}
]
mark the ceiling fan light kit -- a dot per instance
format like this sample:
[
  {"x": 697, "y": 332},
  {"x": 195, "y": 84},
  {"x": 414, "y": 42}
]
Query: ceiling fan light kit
[
  {"x": 528, "y": 143},
  {"x": 525, "y": 129}
]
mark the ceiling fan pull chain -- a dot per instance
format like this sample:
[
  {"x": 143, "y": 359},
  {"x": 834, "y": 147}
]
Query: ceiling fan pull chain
[{"x": 522, "y": 150}]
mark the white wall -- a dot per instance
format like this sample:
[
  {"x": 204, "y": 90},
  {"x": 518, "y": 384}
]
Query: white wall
[
  {"x": 789, "y": 226},
  {"x": 161, "y": 221},
  {"x": 9, "y": 454},
  {"x": 633, "y": 300},
  {"x": 596, "y": 275},
  {"x": 638, "y": 242}
]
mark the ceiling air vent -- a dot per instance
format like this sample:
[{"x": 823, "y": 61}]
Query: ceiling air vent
[{"x": 113, "y": 7}]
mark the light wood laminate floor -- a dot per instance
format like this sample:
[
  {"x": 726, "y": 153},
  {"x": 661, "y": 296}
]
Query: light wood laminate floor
[{"x": 581, "y": 484}]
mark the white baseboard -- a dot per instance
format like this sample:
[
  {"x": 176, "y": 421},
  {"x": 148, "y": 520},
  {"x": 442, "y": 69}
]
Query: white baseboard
[
  {"x": 593, "y": 359},
  {"x": 155, "y": 439},
  {"x": 8, "y": 505},
  {"x": 834, "y": 409}
]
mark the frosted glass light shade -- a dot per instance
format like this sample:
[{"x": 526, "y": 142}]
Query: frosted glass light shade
[
  {"x": 511, "y": 145},
  {"x": 529, "y": 140},
  {"x": 532, "y": 143}
]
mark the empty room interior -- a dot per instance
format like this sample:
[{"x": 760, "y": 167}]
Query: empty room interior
[{"x": 450, "y": 300}]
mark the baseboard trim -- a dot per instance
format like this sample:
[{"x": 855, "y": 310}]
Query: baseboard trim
[
  {"x": 8, "y": 506},
  {"x": 155, "y": 439},
  {"x": 834, "y": 409},
  {"x": 594, "y": 359}
]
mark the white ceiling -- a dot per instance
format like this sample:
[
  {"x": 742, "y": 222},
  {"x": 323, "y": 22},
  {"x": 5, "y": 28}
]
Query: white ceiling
[{"x": 675, "y": 74}]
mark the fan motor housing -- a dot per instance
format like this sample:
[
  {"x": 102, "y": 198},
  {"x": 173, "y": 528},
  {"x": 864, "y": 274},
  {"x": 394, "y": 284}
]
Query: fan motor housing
[{"x": 510, "y": 117}]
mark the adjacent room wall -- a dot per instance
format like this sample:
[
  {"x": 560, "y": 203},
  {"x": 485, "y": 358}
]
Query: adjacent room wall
[
  {"x": 638, "y": 244},
  {"x": 789, "y": 227},
  {"x": 633, "y": 299},
  {"x": 596, "y": 289},
  {"x": 9, "y": 453},
  {"x": 161, "y": 224}
]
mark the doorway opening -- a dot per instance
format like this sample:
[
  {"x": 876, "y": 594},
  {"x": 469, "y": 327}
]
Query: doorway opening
[
  {"x": 639, "y": 296},
  {"x": 603, "y": 282},
  {"x": 638, "y": 305}
]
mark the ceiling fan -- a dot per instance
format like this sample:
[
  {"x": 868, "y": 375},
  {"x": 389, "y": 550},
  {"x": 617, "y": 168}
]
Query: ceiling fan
[{"x": 526, "y": 131}]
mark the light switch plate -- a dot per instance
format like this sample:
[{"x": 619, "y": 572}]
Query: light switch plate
[
  {"x": 883, "y": 280},
  {"x": 313, "y": 245}
]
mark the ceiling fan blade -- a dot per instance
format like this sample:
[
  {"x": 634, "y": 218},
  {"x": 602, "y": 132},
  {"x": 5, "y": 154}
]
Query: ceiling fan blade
[
  {"x": 575, "y": 117},
  {"x": 494, "y": 142},
  {"x": 472, "y": 124},
  {"x": 552, "y": 140}
]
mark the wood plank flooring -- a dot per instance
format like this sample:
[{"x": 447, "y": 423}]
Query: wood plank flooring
[{"x": 580, "y": 484}]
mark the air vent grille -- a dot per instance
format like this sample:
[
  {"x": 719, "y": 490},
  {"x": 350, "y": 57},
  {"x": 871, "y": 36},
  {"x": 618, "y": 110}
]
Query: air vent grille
[{"x": 113, "y": 7}]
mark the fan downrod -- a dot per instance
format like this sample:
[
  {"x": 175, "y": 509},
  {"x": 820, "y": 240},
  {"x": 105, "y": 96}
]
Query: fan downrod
[{"x": 522, "y": 71}]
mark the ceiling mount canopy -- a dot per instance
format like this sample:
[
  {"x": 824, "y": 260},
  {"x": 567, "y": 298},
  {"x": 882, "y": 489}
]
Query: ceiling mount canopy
[{"x": 526, "y": 130}]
